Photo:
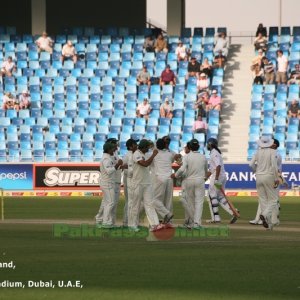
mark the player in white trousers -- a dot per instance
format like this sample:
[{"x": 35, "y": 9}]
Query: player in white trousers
[
  {"x": 118, "y": 176},
  {"x": 131, "y": 145},
  {"x": 117, "y": 180},
  {"x": 217, "y": 177},
  {"x": 141, "y": 185},
  {"x": 264, "y": 164},
  {"x": 275, "y": 213},
  {"x": 108, "y": 169},
  {"x": 194, "y": 169},
  {"x": 162, "y": 182},
  {"x": 188, "y": 210}
]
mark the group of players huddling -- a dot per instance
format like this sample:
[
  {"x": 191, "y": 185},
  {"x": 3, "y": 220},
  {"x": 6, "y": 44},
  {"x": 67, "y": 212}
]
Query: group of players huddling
[{"x": 148, "y": 183}]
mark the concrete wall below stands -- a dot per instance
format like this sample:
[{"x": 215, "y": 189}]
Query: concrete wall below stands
[
  {"x": 16, "y": 13},
  {"x": 95, "y": 13}
]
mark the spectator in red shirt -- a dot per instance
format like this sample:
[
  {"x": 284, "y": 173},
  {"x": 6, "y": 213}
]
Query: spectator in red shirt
[{"x": 167, "y": 77}]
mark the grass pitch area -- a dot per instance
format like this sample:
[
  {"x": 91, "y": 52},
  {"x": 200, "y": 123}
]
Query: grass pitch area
[{"x": 251, "y": 263}]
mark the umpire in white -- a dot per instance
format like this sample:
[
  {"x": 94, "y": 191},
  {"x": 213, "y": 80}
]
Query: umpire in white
[{"x": 264, "y": 164}]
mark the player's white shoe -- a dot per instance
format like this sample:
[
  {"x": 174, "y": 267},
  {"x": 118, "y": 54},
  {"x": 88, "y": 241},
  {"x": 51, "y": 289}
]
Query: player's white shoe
[
  {"x": 197, "y": 226},
  {"x": 255, "y": 222},
  {"x": 133, "y": 228},
  {"x": 188, "y": 224},
  {"x": 213, "y": 222},
  {"x": 156, "y": 227}
]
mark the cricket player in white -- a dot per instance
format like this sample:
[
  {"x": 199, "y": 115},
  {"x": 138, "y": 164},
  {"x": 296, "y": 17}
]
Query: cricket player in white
[
  {"x": 131, "y": 145},
  {"x": 188, "y": 210},
  {"x": 108, "y": 169},
  {"x": 194, "y": 169},
  {"x": 217, "y": 177},
  {"x": 117, "y": 179},
  {"x": 118, "y": 176},
  {"x": 141, "y": 185},
  {"x": 163, "y": 183},
  {"x": 264, "y": 164},
  {"x": 275, "y": 213}
]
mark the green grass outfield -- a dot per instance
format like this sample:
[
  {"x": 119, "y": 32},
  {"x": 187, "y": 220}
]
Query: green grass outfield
[{"x": 251, "y": 263}]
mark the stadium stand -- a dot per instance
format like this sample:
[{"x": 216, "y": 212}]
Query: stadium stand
[
  {"x": 75, "y": 107},
  {"x": 270, "y": 103}
]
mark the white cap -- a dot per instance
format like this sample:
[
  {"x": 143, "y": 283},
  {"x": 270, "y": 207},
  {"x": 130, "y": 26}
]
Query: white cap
[{"x": 265, "y": 142}]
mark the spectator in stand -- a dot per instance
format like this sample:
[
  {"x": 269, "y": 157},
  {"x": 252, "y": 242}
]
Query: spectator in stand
[
  {"x": 269, "y": 72},
  {"x": 143, "y": 77},
  {"x": 202, "y": 83},
  {"x": 282, "y": 65},
  {"x": 166, "y": 109},
  {"x": 260, "y": 42},
  {"x": 8, "y": 67},
  {"x": 149, "y": 44},
  {"x": 199, "y": 125},
  {"x": 206, "y": 68},
  {"x": 167, "y": 77},
  {"x": 160, "y": 44},
  {"x": 144, "y": 109},
  {"x": 215, "y": 101},
  {"x": 181, "y": 52},
  {"x": 258, "y": 59},
  {"x": 221, "y": 44},
  {"x": 193, "y": 68},
  {"x": 261, "y": 29},
  {"x": 258, "y": 74},
  {"x": 295, "y": 76},
  {"x": 24, "y": 100},
  {"x": 219, "y": 60},
  {"x": 45, "y": 43},
  {"x": 202, "y": 103},
  {"x": 294, "y": 109},
  {"x": 9, "y": 102},
  {"x": 69, "y": 52}
]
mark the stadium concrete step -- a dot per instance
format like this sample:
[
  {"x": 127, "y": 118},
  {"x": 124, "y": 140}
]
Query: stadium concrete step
[{"x": 235, "y": 114}]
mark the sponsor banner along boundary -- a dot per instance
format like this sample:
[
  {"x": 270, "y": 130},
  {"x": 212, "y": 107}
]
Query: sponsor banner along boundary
[
  {"x": 177, "y": 192},
  {"x": 86, "y": 177}
]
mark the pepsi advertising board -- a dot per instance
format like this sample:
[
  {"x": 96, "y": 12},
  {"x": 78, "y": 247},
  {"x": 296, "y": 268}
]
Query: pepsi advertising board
[{"x": 16, "y": 177}]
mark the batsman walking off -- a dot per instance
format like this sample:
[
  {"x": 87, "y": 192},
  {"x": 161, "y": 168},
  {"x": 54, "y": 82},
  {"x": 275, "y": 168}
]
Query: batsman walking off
[{"x": 217, "y": 183}]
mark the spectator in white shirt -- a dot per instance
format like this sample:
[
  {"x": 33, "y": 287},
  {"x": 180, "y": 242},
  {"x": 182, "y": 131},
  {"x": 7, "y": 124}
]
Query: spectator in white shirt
[
  {"x": 221, "y": 44},
  {"x": 44, "y": 43},
  {"x": 282, "y": 65},
  {"x": 69, "y": 52},
  {"x": 181, "y": 52},
  {"x": 202, "y": 83},
  {"x": 8, "y": 67},
  {"x": 24, "y": 100},
  {"x": 166, "y": 109},
  {"x": 144, "y": 109}
]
